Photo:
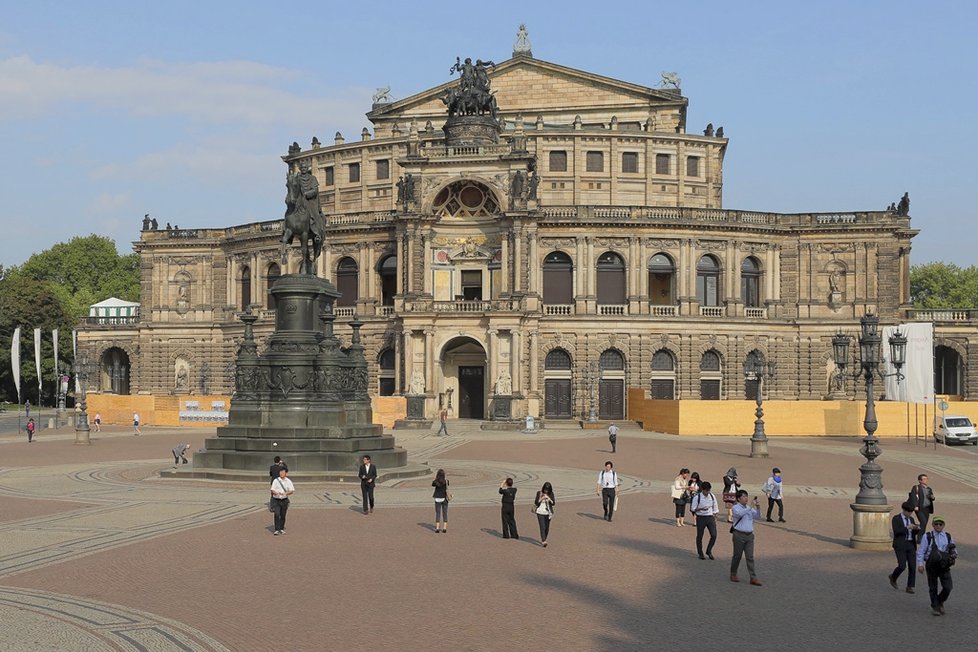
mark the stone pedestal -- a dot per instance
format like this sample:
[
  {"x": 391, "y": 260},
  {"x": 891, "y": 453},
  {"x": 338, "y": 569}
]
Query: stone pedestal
[
  {"x": 305, "y": 399},
  {"x": 502, "y": 408},
  {"x": 471, "y": 131},
  {"x": 871, "y": 527},
  {"x": 415, "y": 415},
  {"x": 758, "y": 446}
]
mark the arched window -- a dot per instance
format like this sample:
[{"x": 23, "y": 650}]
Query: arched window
[
  {"x": 611, "y": 360},
  {"x": 271, "y": 276},
  {"x": 388, "y": 280},
  {"x": 754, "y": 363},
  {"x": 663, "y": 375},
  {"x": 708, "y": 281},
  {"x": 750, "y": 282},
  {"x": 245, "y": 287},
  {"x": 386, "y": 363},
  {"x": 347, "y": 282},
  {"x": 710, "y": 376},
  {"x": 947, "y": 371},
  {"x": 611, "y": 279},
  {"x": 662, "y": 276},
  {"x": 558, "y": 279},
  {"x": 557, "y": 360},
  {"x": 114, "y": 371},
  {"x": 465, "y": 199}
]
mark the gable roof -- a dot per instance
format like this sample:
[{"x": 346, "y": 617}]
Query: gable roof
[{"x": 511, "y": 78}]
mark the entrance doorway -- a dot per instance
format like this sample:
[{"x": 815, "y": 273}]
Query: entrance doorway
[
  {"x": 611, "y": 399},
  {"x": 471, "y": 392},
  {"x": 557, "y": 398}
]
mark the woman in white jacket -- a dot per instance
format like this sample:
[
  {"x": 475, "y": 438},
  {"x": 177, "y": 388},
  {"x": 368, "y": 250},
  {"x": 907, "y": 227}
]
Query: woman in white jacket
[{"x": 680, "y": 496}]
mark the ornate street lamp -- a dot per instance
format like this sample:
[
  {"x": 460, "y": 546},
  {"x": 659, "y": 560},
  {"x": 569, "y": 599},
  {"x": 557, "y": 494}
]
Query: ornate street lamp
[
  {"x": 870, "y": 511},
  {"x": 756, "y": 369},
  {"x": 82, "y": 428}
]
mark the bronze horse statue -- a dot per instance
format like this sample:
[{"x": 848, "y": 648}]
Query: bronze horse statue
[{"x": 303, "y": 217}]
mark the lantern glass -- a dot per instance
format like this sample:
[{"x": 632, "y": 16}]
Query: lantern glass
[
  {"x": 898, "y": 349},
  {"x": 840, "y": 349}
]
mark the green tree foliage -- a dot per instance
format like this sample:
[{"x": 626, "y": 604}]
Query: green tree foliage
[
  {"x": 944, "y": 286},
  {"x": 54, "y": 289},
  {"x": 84, "y": 271}
]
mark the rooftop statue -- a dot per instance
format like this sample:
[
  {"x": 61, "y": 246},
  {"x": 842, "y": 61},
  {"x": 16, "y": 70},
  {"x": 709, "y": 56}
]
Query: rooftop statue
[
  {"x": 472, "y": 96},
  {"x": 303, "y": 217},
  {"x": 522, "y": 45},
  {"x": 670, "y": 80}
]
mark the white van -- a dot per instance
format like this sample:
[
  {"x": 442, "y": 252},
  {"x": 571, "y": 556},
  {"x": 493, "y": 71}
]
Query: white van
[{"x": 956, "y": 430}]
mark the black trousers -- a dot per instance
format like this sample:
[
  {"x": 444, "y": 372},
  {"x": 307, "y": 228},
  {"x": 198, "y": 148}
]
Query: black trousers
[
  {"x": 544, "y": 521},
  {"x": 937, "y": 599},
  {"x": 608, "y": 501},
  {"x": 509, "y": 521},
  {"x": 906, "y": 557},
  {"x": 280, "y": 506},
  {"x": 680, "y": 507},
  {"x": 705, "y": 523},
  {"x": 367, "y": 489},
  {"x": 922, "y": 517},
  {"x": 770, "y": 507}
]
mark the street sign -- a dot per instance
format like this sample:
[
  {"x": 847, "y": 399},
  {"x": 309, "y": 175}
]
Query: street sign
[{"x": 943, "y": 406}]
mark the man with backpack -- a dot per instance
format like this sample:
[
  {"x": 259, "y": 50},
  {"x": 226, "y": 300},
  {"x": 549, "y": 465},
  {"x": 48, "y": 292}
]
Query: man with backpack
[{"x": 936, "y": 555}]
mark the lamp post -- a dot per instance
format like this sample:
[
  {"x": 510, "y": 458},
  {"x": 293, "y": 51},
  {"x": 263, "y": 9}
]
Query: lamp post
[
  {"x": 870, "y": 512},
  {"x": 82, "y": 428},
  {"x": 756, "y": 369}
]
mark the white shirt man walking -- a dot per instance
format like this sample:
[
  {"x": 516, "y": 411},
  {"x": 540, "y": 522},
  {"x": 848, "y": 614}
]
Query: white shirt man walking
[
  {"x": 613, "y": 436},
  {"x": 608, "y": 488}
]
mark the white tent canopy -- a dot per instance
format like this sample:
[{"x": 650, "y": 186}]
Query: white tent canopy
[{"x": 113, "y": 307}]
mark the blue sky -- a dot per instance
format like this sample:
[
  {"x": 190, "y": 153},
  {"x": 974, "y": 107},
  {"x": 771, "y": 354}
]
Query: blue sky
[{"x": 109, "y": 110}]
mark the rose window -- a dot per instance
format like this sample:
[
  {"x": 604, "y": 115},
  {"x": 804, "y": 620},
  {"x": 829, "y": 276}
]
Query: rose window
[{"x": 465, "y": 199}]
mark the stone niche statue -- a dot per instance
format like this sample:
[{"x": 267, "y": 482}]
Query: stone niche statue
[
  {"x": 504, "y": 384},
  {"x": 417, "y": 382},
  {"x": 303, "y": 217}
]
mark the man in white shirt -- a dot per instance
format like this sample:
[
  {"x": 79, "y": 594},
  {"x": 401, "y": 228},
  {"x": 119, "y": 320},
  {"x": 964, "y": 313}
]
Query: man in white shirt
[
  {"x": 705, "y": 508},
  {"x": 774, "y": 490},
  {"x": 613, "y": 437},
  {"x": 743, "y": 535},
  {"x": 135, "y": 423},
  {"x": 935, "y": 555},
  {"x": 608, "y": 488},
  {"x": 282, "y": 488}
]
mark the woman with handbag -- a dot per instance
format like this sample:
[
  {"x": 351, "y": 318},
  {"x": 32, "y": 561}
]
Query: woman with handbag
[
  {"x": 441, "y": 496},
  {"x": 680, "y": 496},
  {"x": 730, "y": 487},
  {"x": 543, "y": 507}
]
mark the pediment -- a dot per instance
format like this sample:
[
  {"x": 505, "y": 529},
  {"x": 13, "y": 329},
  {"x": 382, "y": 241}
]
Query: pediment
[{"x": 534, "y": 87}]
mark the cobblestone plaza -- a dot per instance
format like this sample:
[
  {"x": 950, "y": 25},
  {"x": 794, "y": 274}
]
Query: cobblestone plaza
[{"x": 97, "y": 552}]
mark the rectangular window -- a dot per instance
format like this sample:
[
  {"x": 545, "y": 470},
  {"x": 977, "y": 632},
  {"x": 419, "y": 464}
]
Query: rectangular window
[
  {"x": 354, "y": 172},
  {"x": 384, "y": 169},
  {"x": 595, "y": 161},
  {"x": 472, "y": 285},
  {"x": 692, "y": 166},
  {"x": 629, "y": 162},
  {"x": 558, "y": 161},
  {"x": 662, "y": 164},
  {"x": 329, "y": 176}
]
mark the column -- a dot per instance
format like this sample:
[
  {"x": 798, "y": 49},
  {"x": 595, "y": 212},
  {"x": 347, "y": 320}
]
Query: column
[
  {"x": 589, "y": 269},
  {"x": 410, "y": 261},
  {"x": 580, "y": 264},
  {"x": 534, "y": 284},
  {"x": 517, "y": 258},
  {"x": 534, "y": 372},
  {"x": 426, "y": 264},
  {"x": 429, "y": 362},
  {"x": 493, "y": 356},
  {"x": 505, "y": 264},
  {"x": 515, "y": 366}
]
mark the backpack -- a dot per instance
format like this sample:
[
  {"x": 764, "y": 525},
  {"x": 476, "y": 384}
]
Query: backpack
[{"x": 939, "y": 560}]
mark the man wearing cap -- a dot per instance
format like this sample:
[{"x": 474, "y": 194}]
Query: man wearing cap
[
  {"x": 935, "y": 555},
  {"x": 773, "y": 489},
  {"x": 904, "y": 546}
]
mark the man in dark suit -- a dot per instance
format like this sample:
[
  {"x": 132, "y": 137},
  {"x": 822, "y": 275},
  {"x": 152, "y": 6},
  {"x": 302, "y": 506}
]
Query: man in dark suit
[
  {"x": 904, "y": 546},
  {"x": 922, "y": 499},
  {"x": 368, "y": 477}
]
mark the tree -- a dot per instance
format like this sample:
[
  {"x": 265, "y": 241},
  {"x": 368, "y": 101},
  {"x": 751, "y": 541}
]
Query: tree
[
  {"x": 944, "y": 286},
  {"x": 84, "y": 271},
  {"x": 31, "y": 304},
  {"x": 54, "y": 289}
]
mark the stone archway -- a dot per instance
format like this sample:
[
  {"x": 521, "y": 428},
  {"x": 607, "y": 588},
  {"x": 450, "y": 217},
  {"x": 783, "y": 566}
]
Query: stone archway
[
  {"x": 463, "y": 362},
  {"x": 115, "y": 371}
]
